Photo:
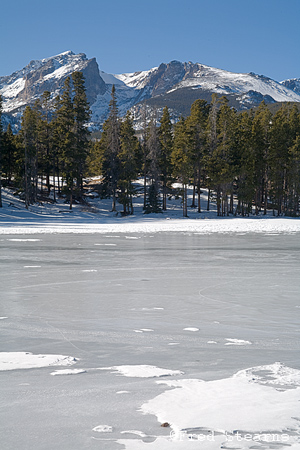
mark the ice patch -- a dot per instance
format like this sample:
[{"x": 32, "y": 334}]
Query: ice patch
[
  {"x": 136, "y": 432},
  {"x": 24, "y": 240},
  {"x": 211, "y": 342},
  {"x": 255, "y": 405},
  {"x": 123, "y": 392},
  {"x": 191, "y": 329},
  {"x": 237, "y": 342},
  {"x": 103, "y": 429},
  {"x": 271, "y": 375},
  {"x": 147, "y": 309},
  {"x": 68, "y": 372},
  {"x": 26, "y": 360},
  {"x": 142, "y": 371}
]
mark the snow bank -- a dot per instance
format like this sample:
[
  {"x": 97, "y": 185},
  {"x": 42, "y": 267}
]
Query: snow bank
[{"x": 25, "y": 360}]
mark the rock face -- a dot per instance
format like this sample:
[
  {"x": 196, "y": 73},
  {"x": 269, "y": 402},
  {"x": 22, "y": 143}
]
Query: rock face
[
  {"x": 25, "y": 86},
  {"x": 176, "y": 85},
  {"x": 293, "y": 84}
]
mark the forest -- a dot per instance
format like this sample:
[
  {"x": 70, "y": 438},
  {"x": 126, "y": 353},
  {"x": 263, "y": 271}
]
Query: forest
[{"x": 248, "y": 161}]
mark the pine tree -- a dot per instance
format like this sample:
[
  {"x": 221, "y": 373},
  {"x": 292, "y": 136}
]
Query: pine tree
[
  {"x": 222, "y": 171},
  {"x": 212, "y": 142},
  {"x": 293, "y": 178},
  {"x": 1, "y": 150},
  {"x": 245, "y": 176},
  {"x": 45, "y": 132},
  {"x": 145, "y": 152},
  {"x": 165, "y": 137},
  {"x": 29, "y": 142},
  {"x": 153, "y": 202},
  {"x": 261, "y": 144},
  {"x": 129, "y": 158},
  {"x": 110, "y": 141},
  {"x": 81, "y": 118},
  {"x": 9, "y": 155},
  {"x": 278, "y": 158},
  {"x": 196, "y": 125},
  {"x": 182, "y": 160},
  {"x": 65, "y": 137}
]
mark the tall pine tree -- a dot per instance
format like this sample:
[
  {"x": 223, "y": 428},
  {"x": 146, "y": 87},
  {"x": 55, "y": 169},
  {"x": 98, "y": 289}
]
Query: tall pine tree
[
  {"x": 110, "y": 141},
  {"x": 81, "y": 132},
  {"x": 182, "y": 160},
  {"x": 165, "y": 136},
  {"x": 1, "y": 150}
]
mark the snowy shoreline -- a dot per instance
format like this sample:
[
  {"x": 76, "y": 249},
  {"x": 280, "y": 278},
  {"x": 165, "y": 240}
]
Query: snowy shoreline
[
  {"x": 140, "y": 225},
  {"x": 98, "y": 218}
]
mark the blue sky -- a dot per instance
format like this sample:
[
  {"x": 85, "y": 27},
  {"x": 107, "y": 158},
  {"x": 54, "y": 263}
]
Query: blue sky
[{"x": 260, "y": 36}]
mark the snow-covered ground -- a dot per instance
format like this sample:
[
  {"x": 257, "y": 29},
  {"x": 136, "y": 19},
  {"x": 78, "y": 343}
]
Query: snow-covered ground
[
  {"x": 113, "y": 326},
  {"x": 98, "y": 218}
]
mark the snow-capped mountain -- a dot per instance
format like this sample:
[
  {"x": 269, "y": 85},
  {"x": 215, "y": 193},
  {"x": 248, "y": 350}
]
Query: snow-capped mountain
[
  {"x": 175, "y": 84},
  {"x": 25, "y": 86},
  {"x": 293, "y": 84}
]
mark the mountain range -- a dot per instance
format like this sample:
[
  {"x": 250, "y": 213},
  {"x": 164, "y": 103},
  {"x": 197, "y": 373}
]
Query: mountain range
[{"x": 175, "y": 84}]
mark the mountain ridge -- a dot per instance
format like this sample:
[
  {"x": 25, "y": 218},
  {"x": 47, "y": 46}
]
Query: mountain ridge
[{"x": 169, "y": 84}]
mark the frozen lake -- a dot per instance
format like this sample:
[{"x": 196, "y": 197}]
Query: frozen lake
[{"x": 206, "y": 306}]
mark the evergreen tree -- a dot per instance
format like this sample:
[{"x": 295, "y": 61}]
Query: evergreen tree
[
  {"x": 129, "y": 158},
  {"x": 212, "y": 142},
  {"x": 153, "y": 202},
  {"x": 65, "y": 137},
  {"x": 1, "y": 150},
  {"x": 29, "y": 143},
  {"x": 9, "y": 155},
  {"x": 245, "y": 176},
  {"x": 261, "y": 143},
  {"x": 81, "y": 118},
  {"x": 110, "y": 141},
  {"x": 222, "y": 172},
  {"x": 46, "y": 139},
  {"x": 293, "y": 173},
  {"x": 165, "y": 137},
  {"x": 182, "y": 160},
  {"x": 145, "y": 152},
  {"x": 293, "y": 178},
  {"x": 278, "y": 157},
  {"x": 196, "y": 125}
]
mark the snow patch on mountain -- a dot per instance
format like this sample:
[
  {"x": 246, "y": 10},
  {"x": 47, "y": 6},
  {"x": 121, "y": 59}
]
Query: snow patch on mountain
[
  {"x": 224, "y": 82},
  {"x": 198, "y": 80}
]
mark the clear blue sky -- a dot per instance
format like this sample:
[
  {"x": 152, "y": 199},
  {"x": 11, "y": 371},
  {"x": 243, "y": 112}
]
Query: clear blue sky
[{"x": 261, "y": 36}]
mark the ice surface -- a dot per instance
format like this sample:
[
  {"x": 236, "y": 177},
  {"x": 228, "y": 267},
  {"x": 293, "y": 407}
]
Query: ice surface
[{"x": 87, "y": 301}]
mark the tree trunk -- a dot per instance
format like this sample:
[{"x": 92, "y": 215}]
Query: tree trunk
[
  {"x": 71, "y": 196},
  {"x": 208, "y": 200},
  {"x": 184, "y": 200}
]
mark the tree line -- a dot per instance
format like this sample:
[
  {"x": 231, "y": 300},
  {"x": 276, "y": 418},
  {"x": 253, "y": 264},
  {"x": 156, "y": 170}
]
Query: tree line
[{"x": 249, "y": 162}]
